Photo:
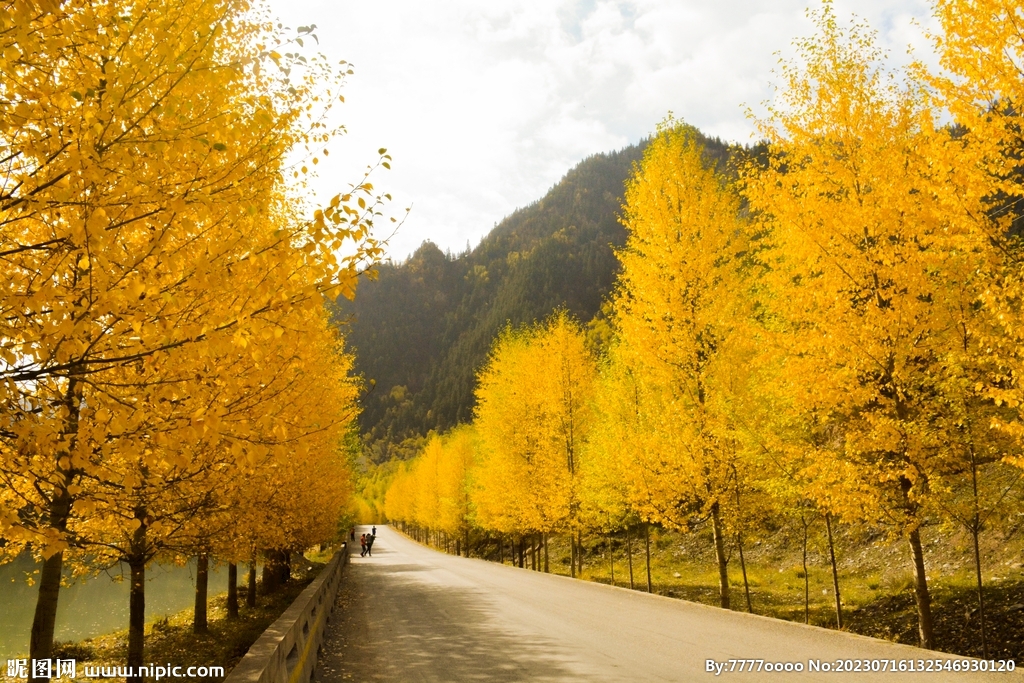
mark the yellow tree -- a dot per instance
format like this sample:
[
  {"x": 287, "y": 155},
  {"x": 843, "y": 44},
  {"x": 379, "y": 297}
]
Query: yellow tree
[
  {"x": 255, "y": 449},
  {"x": 981, "y": 183},
  {"x": 425, "y": 474},
  {"x": 285, "y": 430},
  {"x": 399, "y": 500},
  {"x": 142, "y": 168},
  {"x": 981, "y": 47},
  {"x": 532, "y": 418},
  {"x": 875, "y": 271},
  {"x": 678, "y": 307},
  {"x": 616, "y": 443},
  {"x": 454, "y": 483}
]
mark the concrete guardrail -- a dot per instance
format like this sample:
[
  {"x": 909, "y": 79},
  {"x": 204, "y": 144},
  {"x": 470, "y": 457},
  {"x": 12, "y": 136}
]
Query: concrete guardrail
[{"x": 287, "y": 652}]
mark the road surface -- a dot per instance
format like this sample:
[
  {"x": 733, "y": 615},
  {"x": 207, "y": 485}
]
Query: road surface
[{"x": 411, "y": 614}]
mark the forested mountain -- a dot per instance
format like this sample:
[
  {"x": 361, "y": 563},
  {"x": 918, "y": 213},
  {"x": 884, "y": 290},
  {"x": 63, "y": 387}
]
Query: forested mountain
[{"x": 424, "y": 328}]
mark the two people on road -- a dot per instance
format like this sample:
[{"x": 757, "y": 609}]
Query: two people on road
[{"x": 366, "y": 543}]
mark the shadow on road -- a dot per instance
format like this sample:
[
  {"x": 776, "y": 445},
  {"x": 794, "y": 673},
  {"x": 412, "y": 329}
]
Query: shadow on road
[{"x": 410, "y": 622}]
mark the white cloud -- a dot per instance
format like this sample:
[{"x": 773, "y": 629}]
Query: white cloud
[{"x": 485, "y": 105}]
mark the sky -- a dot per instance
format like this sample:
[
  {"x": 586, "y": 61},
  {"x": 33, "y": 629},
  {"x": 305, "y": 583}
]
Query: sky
[{"x": 485, "y": 104}]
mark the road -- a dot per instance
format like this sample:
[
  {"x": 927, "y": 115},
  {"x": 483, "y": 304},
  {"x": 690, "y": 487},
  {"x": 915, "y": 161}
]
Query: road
[{"x": 411, "y": 614}]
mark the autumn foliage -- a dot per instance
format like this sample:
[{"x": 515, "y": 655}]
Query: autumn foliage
[
  {"x": 170, "y": 384},
  {"x": 826, "y": 327}
]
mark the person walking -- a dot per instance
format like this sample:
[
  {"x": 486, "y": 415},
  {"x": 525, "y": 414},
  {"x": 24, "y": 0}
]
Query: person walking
[
  {"x": 352, "y": 534},
  {"x": 373, "y": 531},
  {"x": 369, "y": 545},
  {"x": 362, "y": 546}
]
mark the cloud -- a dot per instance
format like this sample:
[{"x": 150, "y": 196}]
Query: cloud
[{"x": 484, "y": 106}]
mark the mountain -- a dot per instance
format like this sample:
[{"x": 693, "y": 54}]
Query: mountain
[{"x": 423, "y": 329}]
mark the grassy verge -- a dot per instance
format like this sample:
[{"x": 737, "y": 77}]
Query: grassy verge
[{"x": 875, "y": 577}]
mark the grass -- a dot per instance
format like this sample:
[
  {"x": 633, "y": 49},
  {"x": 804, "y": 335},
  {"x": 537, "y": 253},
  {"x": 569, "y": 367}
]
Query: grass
[
  {"x": 170, "y": 639},
  {"x": 875, "y": 576}
]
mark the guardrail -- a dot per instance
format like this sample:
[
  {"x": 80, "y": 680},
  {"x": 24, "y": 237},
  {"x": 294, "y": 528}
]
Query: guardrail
[{"x": 288, "y": 650}]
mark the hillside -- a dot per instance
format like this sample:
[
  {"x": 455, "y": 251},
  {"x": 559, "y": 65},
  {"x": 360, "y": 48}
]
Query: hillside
[{"x": 424, "y": 328}]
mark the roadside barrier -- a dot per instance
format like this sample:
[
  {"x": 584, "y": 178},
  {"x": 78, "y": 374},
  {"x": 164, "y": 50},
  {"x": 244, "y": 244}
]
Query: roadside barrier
[{"x": 288, "y": 650}]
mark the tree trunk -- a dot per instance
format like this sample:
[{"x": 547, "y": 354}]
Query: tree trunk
[
  {"x": 269, "y": 583},
  {"x": 467, "y": 541},
  {"x": 611, "y": 560},
  {"x": 572, "y": 555},
  {"x": 835, "y": 570},
  {"x": 547, "y": 570},
  {"x": 975, "y": 534},
  {"x": 199, "y": 621},
  {"x": 137, "y": 558},
  {"x": 924, "y": 600},
  {"x": 41, "y": 642},
  {"x": 579, "y": 552},
  {"x": 45, "y": 617},
  {"x": 522, "y": 554},
  {"x": 250, "y": 596},
  {"x": 232, "y": 590},
  {"x": 981, "y": 597},
  {"x": 739, "y": 545},
  {"x": 136, "y": 615},
  {"x": 647, "y": 547},
  {"x": 743, "y": 568},
  {"x": 629, "y": 556},
  {"x": 277, "y": 570},
  {"x": 723, "y": 567},
  {"x": 807, "y": 579}
]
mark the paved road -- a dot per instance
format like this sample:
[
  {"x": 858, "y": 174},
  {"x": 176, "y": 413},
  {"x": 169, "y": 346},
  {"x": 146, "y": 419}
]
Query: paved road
[{"x": 412, "y": 614}]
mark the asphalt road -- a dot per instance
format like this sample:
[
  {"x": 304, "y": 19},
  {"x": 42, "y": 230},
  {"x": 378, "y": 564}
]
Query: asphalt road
[{"x": 411, "y": 614}]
